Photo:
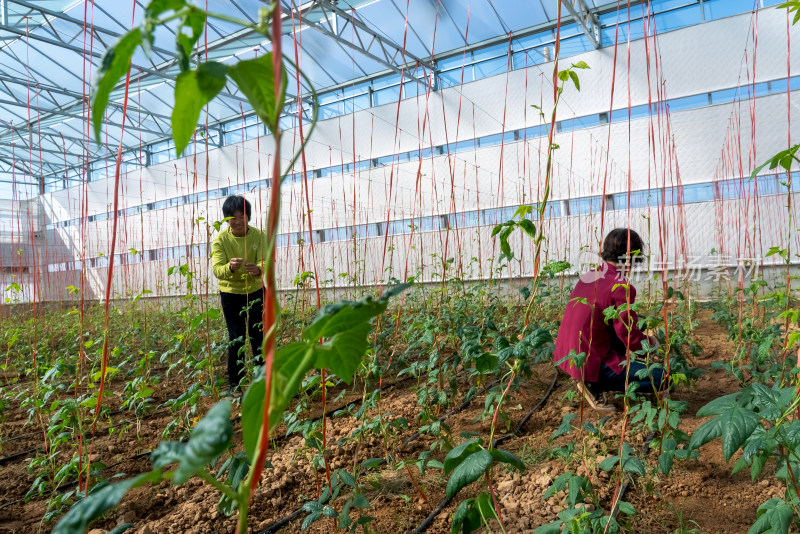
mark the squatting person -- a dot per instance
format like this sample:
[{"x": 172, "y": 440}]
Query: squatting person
[
  {"x": 584, "y": 330},
  {"x": 237, "y": 260}
]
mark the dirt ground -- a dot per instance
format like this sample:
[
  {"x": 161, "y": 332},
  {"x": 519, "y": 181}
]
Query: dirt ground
[{"x": 700, "y": 495}]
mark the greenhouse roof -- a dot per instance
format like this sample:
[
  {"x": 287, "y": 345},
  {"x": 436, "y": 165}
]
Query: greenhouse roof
[{"x": 50, "y": 49}]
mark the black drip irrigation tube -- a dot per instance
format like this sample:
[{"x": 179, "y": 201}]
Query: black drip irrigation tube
[{"x": 428, "y": 521}]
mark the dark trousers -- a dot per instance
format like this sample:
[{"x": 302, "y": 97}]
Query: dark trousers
[
  {"x": 608, "y": 380},
  {"x": 241, "y": 322}
]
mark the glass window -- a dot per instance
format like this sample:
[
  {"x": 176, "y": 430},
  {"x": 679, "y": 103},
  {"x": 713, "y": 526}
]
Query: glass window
[
  {"x": 469, "y": 144},
  {"x": 688, "y": 102},
  {"x": 553, "y": 209},
  {"x": 526, "y": 58},
  {"x": 533, "y": 40},
  {"x": 769, "y": 185},
  {"x": 328, "y": 111},
  {"x": 575, "y": 45},
  {"x": 453, "y": 62},
  {"x": 385, "y": 160},
  {"x": 697, "y": 193},
  {"x": 535, "y": 131},
  {"x": 453, "y": 77},
  {"x": 232, "y": 137},
  {"x": 679, "y": 18},
  {"x": 490, "y": 52},
  {"x": 717, "y": 9},
  {"x": 490, "y": 216},
  {"x": 491, "y": 67},
  {"x": 355, "y": 104},
  {"x": 386, "y": 96},
  {"x": 491, "y": 140},
  {"x": 425, "y": 224},
  {"x": 385, "y": 81},
  {"x": 412, "y": 89},
  {"x": 251, "y": 132},
  {"x": 725, "y": 95},
  {"x": 288, "y": 122}
]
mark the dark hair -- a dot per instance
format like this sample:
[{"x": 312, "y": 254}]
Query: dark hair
[
  {"x": 615, "y": 246},
  {"x": 236, "y": 203}
]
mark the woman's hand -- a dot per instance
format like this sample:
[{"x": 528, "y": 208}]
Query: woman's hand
[
  {"x": 252, "y": 269},
  {"x": 235, "y": 264}
]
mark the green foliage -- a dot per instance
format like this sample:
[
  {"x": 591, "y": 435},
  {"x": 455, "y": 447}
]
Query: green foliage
[
  {"x": 344, "y": 328},
  {"x": 211, "y": 437},
  {"x": 503, "y": 231},
  {"x": 785, "y": 158},
  {"x": 774, "y": 516},
  {"x": 469, "y": 461},
  {"x": 255, "y": 78},
  {"x": 115, "y": 63},
  {"x": 468, "y": 471},
  {"x": 472, "y": 513},
  {"x": 194, "y": 89},
  {"x": 792, "y": 6},
  {"x": 102, "y": 498}
]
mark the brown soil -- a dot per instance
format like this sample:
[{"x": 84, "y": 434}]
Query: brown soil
[{"x": 701, "y": 494}]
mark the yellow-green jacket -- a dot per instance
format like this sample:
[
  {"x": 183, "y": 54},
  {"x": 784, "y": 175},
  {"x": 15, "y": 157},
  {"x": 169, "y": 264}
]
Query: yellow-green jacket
[{"x": 250, "y": 248}]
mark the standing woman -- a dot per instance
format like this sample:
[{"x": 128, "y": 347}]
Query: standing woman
[{"x": 237, "y": 259}]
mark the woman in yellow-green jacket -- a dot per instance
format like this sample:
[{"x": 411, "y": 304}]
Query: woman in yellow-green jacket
[{"x": 237, "y": 256}]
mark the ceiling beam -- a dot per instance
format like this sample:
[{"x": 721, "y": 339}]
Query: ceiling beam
[
  {"x": 364, "y": 40},
  {"x": 587, "y": 20}
]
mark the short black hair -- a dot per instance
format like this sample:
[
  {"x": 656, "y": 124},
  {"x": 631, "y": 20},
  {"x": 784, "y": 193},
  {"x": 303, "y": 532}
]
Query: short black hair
[
  {"x": 236, "y": 203},
  {"x": 615, "y": 246}
]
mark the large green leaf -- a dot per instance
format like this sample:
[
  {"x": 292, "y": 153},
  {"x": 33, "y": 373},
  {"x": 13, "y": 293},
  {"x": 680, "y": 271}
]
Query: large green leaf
[
  {"x": 549, "y": 528},
  {"x": 484, "y": 504},
  {"x": 167, "y": 452},
  {"x": 99, "y": 502},
  {"x": 253, "y": 416},
  {"x": 157, "y": 7},
  {"x": 115, "y": 63},
  {"x": 337, "y": 318},
  {"x": 212, "y": 436},
  {"x": 194, "y": 22},
  {"x": 738, "y": 424},
  {"x": 468, "y": 471},
  {"x": 292, "y": 363},
  {"x": 343, "y": 353},
  {"x": 774, "y": 517},
  {"x": 771, "y": 402},
  {"x": 466, "y": 519},
  {"x": 193, "y": 90},
  {"x": 528, "y": 227},
  {"x": 734, "y": 423},
  {"x": 459, "y": 452},
  {"x": 565, "y": 427},
  {"x": 708, "y": 431},
  {"x": 500, "y": 455},
  {"x": 255, "y": 80},
  {"x": 151, "y": 13},
  {"x": 717, "y": 405},
  {"x": 487, "y": 363}
]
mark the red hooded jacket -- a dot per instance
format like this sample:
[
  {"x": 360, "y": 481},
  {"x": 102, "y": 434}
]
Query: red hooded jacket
[{"x": 584, "y": 329}]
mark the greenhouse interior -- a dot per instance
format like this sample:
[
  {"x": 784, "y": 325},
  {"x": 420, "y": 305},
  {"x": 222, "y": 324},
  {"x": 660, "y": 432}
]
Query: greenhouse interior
[{"x": 376, "y": 266}]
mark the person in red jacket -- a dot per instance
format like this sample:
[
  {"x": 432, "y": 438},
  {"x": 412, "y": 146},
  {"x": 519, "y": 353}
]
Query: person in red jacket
[{"x": 604, "y": 346}]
